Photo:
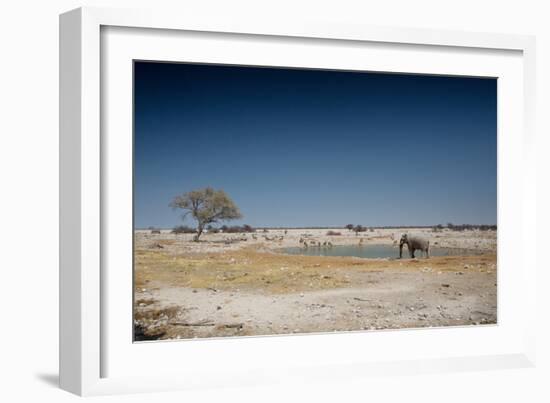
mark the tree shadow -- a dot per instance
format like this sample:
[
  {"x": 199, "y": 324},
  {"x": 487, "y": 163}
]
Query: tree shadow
[{"x": 49, "y": 379}]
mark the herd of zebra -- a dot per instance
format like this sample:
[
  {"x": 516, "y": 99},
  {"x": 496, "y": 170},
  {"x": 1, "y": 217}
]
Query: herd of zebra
[{"x": 313, "y": 243}]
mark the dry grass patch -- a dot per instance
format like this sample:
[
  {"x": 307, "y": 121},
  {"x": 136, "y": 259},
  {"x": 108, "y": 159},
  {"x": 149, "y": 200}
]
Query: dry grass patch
[
  {"x": 153, "y": 324},
  {"x": 253, "y": 269},
  {"x": 157, "y": 314},
  {"x": 145, "y": 302}
]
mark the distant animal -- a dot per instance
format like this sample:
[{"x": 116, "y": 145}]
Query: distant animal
[
  {"x": 413, "y": 243},
  {"x": 155, "y": 231},
  {"x": 301, "y": 240},
  {"x": 330, "y": 244}
]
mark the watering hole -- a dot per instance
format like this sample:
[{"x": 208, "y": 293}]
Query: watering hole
[{"x": 372, "y": 251}]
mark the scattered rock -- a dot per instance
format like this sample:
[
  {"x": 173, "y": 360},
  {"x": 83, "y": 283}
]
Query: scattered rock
[
  {"x": 234, "y": 325},
  {"x": 361, "y": 299}
]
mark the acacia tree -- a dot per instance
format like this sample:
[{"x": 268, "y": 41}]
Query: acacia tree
[{"x": 206, "y": 206}]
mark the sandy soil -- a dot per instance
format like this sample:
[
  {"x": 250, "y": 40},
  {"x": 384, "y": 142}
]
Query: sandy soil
[{"x": 240, "y": 284}]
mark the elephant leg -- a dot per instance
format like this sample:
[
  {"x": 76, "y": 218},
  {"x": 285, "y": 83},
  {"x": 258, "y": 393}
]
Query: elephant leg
[
  {"x": 412, "y": 253},
  {"x": 427, "y": 253}
]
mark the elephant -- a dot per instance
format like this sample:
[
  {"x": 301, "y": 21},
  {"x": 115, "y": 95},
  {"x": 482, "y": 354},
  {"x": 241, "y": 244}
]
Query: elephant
[{"x": 413, "y": 243}]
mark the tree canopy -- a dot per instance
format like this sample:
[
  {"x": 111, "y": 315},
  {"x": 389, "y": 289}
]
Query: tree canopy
[{"x": 206, "y": 206}]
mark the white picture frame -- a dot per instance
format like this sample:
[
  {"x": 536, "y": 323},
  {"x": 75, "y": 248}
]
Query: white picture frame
[{"x": 93, "y": 350}]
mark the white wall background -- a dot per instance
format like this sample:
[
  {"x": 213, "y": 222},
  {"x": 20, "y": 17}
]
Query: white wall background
[{"x": 29, "y": 196}]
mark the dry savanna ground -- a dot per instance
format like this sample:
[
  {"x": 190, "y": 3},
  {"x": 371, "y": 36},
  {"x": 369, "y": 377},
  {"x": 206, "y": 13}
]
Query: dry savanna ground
[{"x": 243, "y": 284}]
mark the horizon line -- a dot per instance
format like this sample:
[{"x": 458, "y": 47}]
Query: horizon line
[{"x": 330, "y": 226}]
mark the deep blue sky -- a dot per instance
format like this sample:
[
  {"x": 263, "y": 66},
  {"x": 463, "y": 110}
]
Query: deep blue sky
[{"x": 313, "y": 147}]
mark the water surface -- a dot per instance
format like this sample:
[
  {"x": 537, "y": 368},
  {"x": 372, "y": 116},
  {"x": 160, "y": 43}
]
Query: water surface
[{"x": 371, "y": 251}]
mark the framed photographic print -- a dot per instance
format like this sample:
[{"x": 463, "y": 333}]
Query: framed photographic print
[
  {"x": 278, "y": 201},
  {"x": 268, "y": 165}
]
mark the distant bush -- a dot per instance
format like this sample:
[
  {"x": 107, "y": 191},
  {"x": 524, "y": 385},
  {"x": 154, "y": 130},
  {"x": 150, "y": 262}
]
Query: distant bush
[
  {"x": 438, "y": 228},
  {"x": 465, "y": 227},
  {"x": 349, "y": 227},
  {"x": 183, "y": 229},
  {"x": 248, "y": 228},
  {"x": 359, "y": 228},
  {"x": 233, "y": 230},
  {"x": 333, "y": 233},
  {"x": 237, "y": 229}
]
